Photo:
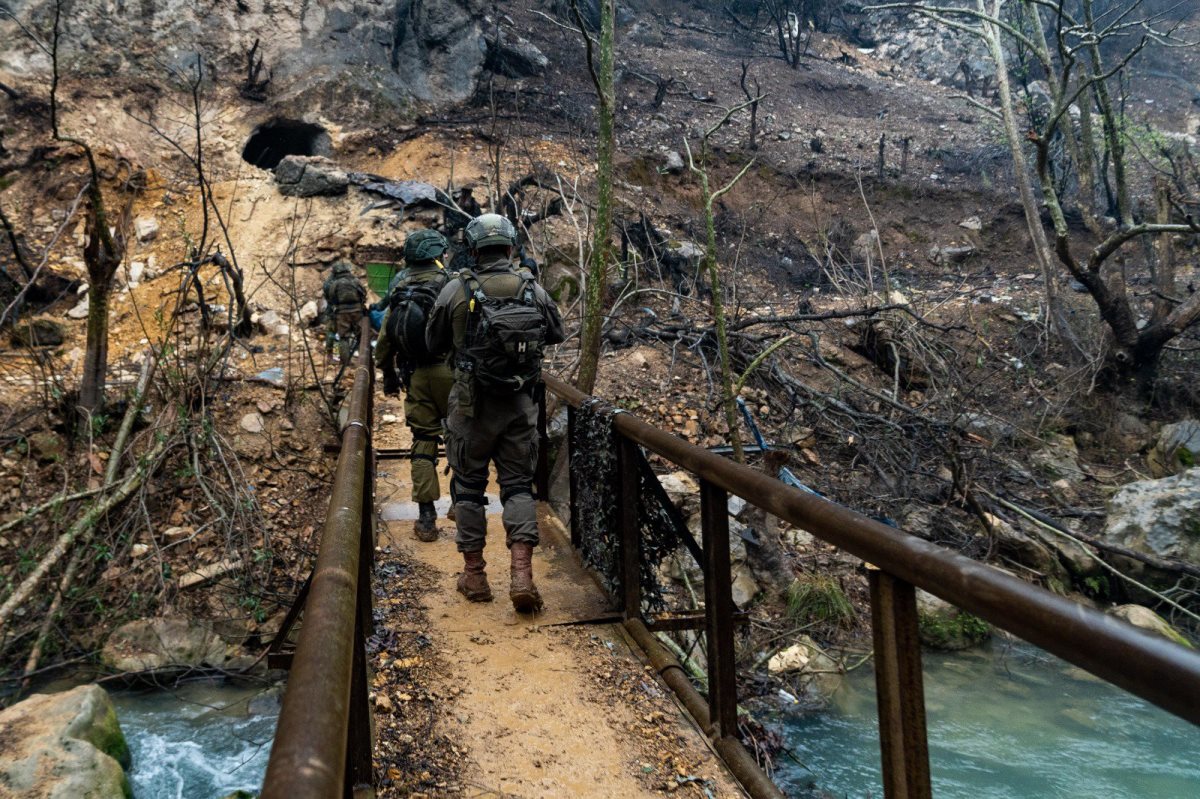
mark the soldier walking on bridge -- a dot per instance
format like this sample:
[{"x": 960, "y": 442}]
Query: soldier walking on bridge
[
  {"x": 403, "y": 355},
  {"x": 495, "y": 320},
  {"x": 344, "y": 298}
]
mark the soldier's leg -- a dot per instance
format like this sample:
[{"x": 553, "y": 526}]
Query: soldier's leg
[
  {"x": 422, "y": 417},
  {"x": 468, "y": 449},
  {"x": 516, "y": 461}
]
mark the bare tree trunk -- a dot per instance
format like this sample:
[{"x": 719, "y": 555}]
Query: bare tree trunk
[
  {"x": 1033, "y": 220},
  {"x": 95, "y": 355},
  {"x": 597, "y": 281}
]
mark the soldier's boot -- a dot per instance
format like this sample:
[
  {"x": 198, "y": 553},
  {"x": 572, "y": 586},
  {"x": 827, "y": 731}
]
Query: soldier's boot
[
  {"x": 522, "y": 591},
  {"x": 472, "y": 583},
  {"x": 425, "y": 527}
]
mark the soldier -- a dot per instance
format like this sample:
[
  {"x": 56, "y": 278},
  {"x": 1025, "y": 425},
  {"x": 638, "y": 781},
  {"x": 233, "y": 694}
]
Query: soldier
[
  {"x": 495, "y": 320},
  {"x": 454, "y": 221},
  {"x": 426, "y": 378},
  {"x": 344, "y": 298}
]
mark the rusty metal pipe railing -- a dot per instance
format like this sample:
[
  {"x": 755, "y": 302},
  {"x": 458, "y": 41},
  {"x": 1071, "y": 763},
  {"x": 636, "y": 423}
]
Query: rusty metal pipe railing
[
  {"x": 326, "y": 686},
  {"x": 1144, "y": 664}
]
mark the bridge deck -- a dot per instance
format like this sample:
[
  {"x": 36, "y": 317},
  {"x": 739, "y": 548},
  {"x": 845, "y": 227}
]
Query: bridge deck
[{"x": 541, "y": 707}]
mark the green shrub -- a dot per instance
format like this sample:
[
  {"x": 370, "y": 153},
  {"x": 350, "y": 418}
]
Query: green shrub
[{"x": 819, "y": 599}]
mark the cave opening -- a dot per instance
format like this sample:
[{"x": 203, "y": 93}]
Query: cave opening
[{"x": 272, "y": 141}]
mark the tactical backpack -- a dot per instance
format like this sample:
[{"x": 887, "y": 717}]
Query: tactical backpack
[
  {"x": 408, "y": 312},
  {"x": 504, "y": 337},
  {"x": 346, "y": 291}
]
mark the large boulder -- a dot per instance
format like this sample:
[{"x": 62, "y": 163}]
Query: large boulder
[
  {"x": 153, "y": 644},
  {"x": 310, "y": 176},
  {"x": 1177, "y": 448},
  {"x": 946, "y": 627},
  {"x": 64, "y": 746},
  {"x": 1158, "y": 517},
  {"x": 1147, "y": 619},
  {"x": 37, "y": 333},
  {"x": 513, "y": 56}
]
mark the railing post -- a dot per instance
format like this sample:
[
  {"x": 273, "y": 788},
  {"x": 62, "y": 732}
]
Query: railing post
[
  {"x": 568, "y": 451},
  {"x": 718, "y": 606},
  {"x": 899, "y": 687},
  {"x": 631, "y": 538}
]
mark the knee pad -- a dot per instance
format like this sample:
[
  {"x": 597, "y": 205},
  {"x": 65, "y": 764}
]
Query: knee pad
[{"x": 509, "y": 493}]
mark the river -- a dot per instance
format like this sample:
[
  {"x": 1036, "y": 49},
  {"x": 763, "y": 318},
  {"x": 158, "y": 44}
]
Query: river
[
  {"x": 202, "y": 740},
  {"x": 1005, "y": 721}
]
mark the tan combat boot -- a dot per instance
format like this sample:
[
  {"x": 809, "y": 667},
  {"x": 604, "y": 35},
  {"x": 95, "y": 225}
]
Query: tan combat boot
[
  {"x": 522, "y": 591},
  {"x": 472, "y": 583}
]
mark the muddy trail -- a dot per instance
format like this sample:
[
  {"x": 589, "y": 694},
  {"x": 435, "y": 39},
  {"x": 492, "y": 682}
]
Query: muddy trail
[{"x": 472, "y": 699}]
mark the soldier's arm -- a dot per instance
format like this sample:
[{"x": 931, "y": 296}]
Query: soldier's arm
[{"x": 554, "y": 322}]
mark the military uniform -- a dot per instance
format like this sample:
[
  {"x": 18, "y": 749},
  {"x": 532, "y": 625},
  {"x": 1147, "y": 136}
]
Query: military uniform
[
  {"x": 487, "y": 426},
  {"x": 344, "y": 298},
  {"x": 426, "y": 390}
]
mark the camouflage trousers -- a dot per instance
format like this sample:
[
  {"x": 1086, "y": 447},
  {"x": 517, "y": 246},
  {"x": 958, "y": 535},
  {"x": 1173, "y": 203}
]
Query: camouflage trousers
[
  {"x": 425, "y": 406},
  {"x": 500, "y": 429},
  {"x": 345, "y": 324}
]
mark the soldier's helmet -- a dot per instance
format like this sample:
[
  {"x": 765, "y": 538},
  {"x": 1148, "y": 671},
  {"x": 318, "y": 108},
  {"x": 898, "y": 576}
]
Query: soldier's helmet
[
  {"x": 342, "y": 268},
  {"x": 424, "y": 245},
  {"x": 489, "y": 230}
]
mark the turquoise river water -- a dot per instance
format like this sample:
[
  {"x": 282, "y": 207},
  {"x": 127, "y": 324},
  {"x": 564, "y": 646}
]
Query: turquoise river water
[
  {"x": 199, "y": 741},
  {"x": 1008, "y": 721}
]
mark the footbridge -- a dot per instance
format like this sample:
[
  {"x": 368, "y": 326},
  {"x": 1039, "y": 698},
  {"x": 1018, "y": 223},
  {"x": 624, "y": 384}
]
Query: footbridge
[{"x": 619, "y": 523}]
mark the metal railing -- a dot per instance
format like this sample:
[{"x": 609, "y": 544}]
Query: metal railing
[
  {"x": 323, "y": 742},
  {"x": 1144, "y": 664}
]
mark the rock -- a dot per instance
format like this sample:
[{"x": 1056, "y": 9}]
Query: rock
[
  {"x": 1129, "y": 433},
  {"x": 513, "y": 56},
  {"x": 972, "y": 223},
  {"x": 866, "y": 246},
  {"x": 1147, "y": 619},
  {"x": 310, "y": 176},
  {"x": 146, "y": 228},
  {"x": 674, "y": 163},
  {"x": 46, "y": 446},
  {"x": 134, "y": 273},
  {"x": 683, "y": 491},
  {"x": 805, "y": 658},
  {"x": 139, "y": 551},
  {"x": 784, "y": 135},
  {"x": 689, "y": 251},
  {"x": 1028, "y": 550},
  {"x": 944, "y": 626},
  {"x": 37, "y": 333},
  {"x": 1059, "y": 459},
  {"x": 152, "y": 644},
  {"x": 993, "y": 428},
  {"x": 945, "y": 256},
  {"x": 80, "y": 311},
  {"x": 1158, "y": 517},
  {"x": 253, "y": 423},
  {"x": 268, "y": 321},
  {"x": 309, "y": 313},
  {"x": 1177, "y": 448},
  {"x": 64, "y": 746}
]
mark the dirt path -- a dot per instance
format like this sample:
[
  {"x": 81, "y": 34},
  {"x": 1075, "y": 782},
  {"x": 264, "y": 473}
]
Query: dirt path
[{"x": 537, "y": 708}]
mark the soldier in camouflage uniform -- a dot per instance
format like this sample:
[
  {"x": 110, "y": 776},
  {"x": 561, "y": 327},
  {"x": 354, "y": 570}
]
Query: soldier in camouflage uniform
[
  {"x": 344, "y": 298},
  {"x": 426, "y": 378},
  {"x": 493, "y": 417}
]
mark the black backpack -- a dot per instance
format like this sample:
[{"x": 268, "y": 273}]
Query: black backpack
[
  {"x": 504, "y": 337},
  {"x": 408, "y": 312}
]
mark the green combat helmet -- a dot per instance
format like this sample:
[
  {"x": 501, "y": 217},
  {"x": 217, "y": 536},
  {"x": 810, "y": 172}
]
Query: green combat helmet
[
  {"x": 491, "y": 230},
  {"x": 424, "y": 245}
]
